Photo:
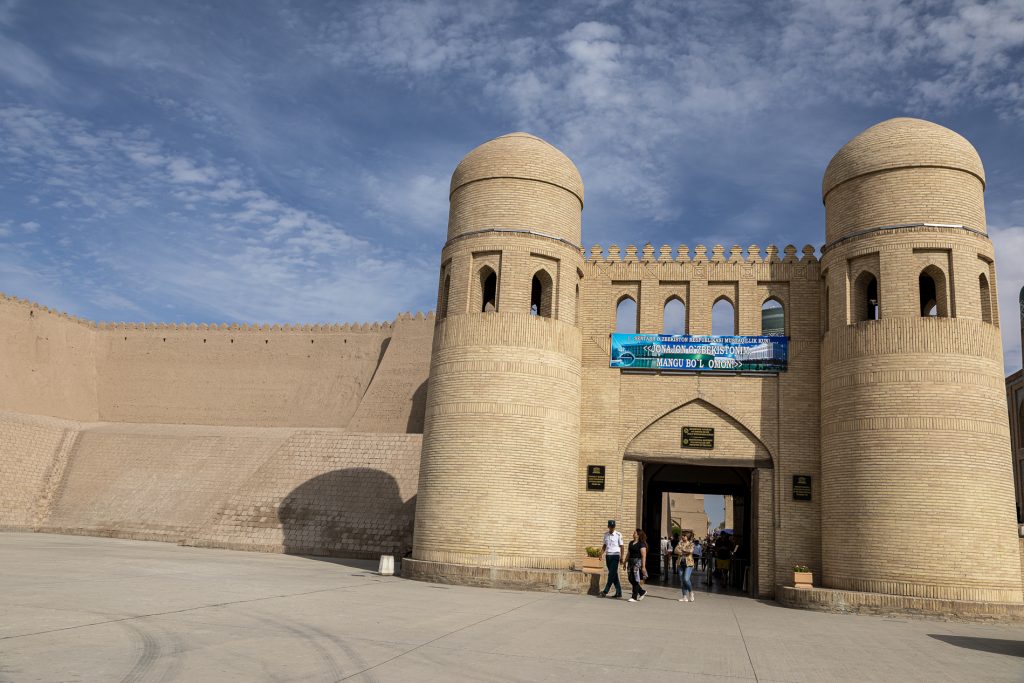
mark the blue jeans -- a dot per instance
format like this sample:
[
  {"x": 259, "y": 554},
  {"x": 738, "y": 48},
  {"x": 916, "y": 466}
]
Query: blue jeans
[
  {"x": 612, "y": 562},
  {"x": 684, "y": 576}
]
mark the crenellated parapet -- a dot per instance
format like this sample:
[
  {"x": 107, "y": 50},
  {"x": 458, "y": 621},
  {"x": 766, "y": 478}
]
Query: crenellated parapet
[
  {"x": 646, "y": 254},
  {"x": 699, "y": 278}
]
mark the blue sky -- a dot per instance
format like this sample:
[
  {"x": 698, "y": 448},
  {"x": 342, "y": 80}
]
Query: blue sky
[{"x": 289, "y": 161}]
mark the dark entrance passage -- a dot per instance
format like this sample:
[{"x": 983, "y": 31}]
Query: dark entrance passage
[{"x": 659, "y": 479}]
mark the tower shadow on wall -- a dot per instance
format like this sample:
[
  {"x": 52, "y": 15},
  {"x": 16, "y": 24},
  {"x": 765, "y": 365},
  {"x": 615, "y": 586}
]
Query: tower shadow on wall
[
  {"x": 355, "y": 513},
  {"x": 419, "y": 410}
]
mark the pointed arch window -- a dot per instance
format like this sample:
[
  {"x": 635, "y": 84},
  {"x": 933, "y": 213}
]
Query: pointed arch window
[
  {"x": 626, "y": 316},
  {"x": 541, "y": 294},
  {"x": 723, "y": 317},
  {"x": 826, "y": 309},
  {"x": 865, "y": 297},
  {"x": 442, "y": 304},
  {"x": 931, "y": 287},
  {"x": 773, "y": 317},
  {"x": 986, "y": 298},
  {"x": 488, "y": 302},
  {"x": 674, "y": 316},
  {"x": 576, "y": 311}
]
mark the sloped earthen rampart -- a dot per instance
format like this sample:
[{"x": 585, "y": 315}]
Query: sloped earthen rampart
[{"x": 216, "y": 435}]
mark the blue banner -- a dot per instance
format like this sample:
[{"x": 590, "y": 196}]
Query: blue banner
[{"x": 689, "y": 353}]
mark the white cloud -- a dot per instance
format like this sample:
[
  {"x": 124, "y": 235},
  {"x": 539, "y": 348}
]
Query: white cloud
[
  {"x": 185, "y": 171},
  {"x": 24, "y": 67},
  {"x": 237, "y": 252},
  {"x": 417, "y": 202},
  {"x": 1009, "y": 245},
  {"x": 622, "y": 90}
]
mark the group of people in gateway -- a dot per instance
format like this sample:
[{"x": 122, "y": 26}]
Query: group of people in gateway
[{"x": 681, "y": 555}]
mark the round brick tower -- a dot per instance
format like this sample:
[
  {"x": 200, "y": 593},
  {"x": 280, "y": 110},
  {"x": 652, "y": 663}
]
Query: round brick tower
[
  {"x": 917, "y": 495},
  {"x": 499, "y": 470}
]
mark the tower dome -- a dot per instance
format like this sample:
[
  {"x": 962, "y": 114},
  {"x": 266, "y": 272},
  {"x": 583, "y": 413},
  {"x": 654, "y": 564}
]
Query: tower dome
[
  {"x": 902, "y": 143},
  {"x": 519, "y": 155},
  {"x": 900, "y": 171},
  {"x": 516, "y": 182}
]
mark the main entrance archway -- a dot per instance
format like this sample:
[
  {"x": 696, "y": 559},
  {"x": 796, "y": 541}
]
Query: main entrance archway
[{"x": 736, "y": 464}]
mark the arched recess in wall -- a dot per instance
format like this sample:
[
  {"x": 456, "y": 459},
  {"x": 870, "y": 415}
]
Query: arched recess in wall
[
  {"x": 488, "y": 301},
  {"x": 773, "y": 317},
  {"x": 659, "y": 439},
  {"x": 931, "y": 288},
  {"x": 576, "y": 309},
  {"x": 986, "y": 298},
  {"x": 723, "y": 317},
  {"x": 541, "y": 294},
  {"x": 1020, "y": 424},
  {"x": 865, "y": 303},
  {"x": 626, "y": 316},
  {"x": 825, "y": 315},
  {"x": 442, "y": 304},
  {"x": 674, "y": 316}
]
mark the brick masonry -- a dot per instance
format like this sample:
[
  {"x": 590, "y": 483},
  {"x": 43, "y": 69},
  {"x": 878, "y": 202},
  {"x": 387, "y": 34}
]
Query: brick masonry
[{"x": 307, "y": 438}]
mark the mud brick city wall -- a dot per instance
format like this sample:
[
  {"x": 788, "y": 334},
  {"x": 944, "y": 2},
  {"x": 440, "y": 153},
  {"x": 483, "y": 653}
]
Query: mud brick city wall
[{"x": 223, "y": 422}]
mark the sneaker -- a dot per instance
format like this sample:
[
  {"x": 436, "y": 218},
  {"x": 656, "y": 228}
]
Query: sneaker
[
  {"x": 642, "y": 596},
  {"x": 631, "y": 600},
  {"x": 683, "y": 600},
  {"x": 617, "y": 595},
  {"x": 604, "y": 594},
  {"x": 691, "y": 597}
]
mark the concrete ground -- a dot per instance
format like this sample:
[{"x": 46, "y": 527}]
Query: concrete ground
[{"x": 92, "y": 609}]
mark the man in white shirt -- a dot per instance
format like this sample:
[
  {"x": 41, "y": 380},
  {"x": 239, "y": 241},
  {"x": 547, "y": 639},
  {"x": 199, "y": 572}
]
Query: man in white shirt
[{"x": 611, "y": 549}]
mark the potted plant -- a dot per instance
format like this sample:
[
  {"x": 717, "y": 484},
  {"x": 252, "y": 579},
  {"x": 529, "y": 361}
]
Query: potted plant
[
  {"x": 802, "y": 577},
  {"x": 593, "y": 558}
]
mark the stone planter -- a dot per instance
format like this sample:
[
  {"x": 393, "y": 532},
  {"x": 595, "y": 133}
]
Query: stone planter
[
  {"x": 803, "y": 580},
  {"x": 591, "y": 564}
]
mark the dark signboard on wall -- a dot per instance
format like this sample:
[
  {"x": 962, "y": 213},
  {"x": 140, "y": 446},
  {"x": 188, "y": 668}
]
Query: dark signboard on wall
[
  {"x": 698, "y": 437},
  {"x": 801, "y": 487},
  {"x": 595, "y": 477}
]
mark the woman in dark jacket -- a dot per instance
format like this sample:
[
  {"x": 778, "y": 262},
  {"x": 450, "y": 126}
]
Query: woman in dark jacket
[{"x": 636, "y": 564}]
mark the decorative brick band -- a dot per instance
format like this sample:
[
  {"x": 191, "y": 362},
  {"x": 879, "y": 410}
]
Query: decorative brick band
[
  {"x": 830, "y": 600},
  {"x": 922, "y": 589},
  {"x": 489, "y": 409},
  {"x": 494, "y": 559},
  {"x": 514, "y": 231},
  {"x": 548, "y": 580},
  {"x": 903, "y": 227},
  {"x": 901, "y": 424}
]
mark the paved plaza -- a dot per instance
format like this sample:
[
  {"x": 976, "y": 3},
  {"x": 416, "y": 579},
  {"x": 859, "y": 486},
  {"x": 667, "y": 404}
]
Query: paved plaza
[{"x": 94, "y": 609}]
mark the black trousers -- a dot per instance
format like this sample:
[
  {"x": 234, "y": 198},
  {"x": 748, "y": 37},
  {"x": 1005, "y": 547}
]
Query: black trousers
[
  {"x": 612, "y": 562},
  {"x": 633, "y": 574}
]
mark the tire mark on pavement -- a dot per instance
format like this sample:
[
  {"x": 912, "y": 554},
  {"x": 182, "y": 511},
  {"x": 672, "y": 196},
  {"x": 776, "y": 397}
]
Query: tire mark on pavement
[
  {"x": 157, "y": 647},
  {"x": 309, "y": 635}
]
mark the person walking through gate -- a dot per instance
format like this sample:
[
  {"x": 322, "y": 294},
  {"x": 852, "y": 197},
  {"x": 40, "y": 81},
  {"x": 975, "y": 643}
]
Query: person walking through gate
[
  {"x": 612, "y": 552},
  {"x": 685, "y": 553},
  {"x": 666, "y": 553},
  {"x": 636, "y": 564}
]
